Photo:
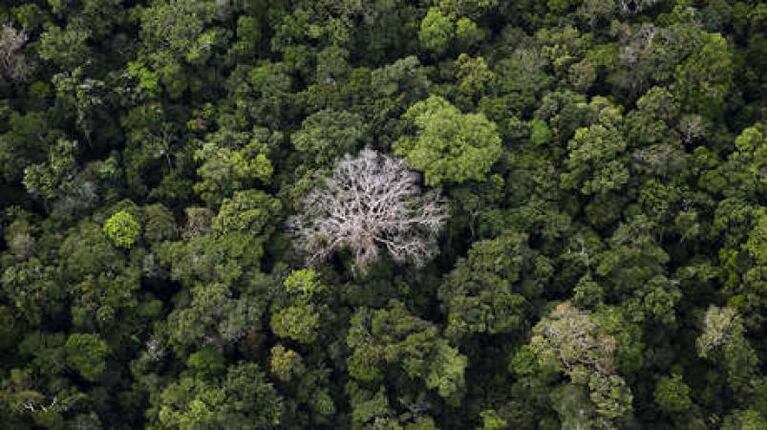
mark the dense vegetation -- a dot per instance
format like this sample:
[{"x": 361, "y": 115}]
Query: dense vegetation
[{"x": 383, "y": 214}]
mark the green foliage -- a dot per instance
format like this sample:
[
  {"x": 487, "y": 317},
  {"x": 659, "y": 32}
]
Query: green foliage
[
  {"x": 174, "y": 33},
  {"x": 611, "y": 397},
  {"x": 573, "y": 406},
  {"x": 540, "y": 133},
  {"x": 33, "y": 289},
  {"x": 159, "y": 223},
  {"x": 248, "y": 36},
  {"x": 593, "y": 253},
  {"x": 480, "y": 295},
  {"x": 579, "y": 344},
  {"x": 105, "y": 300},
  {"x": 250, "y": 210},
  {"x": 212, "y": 257},
  {"x": 224, "y": 170},
  {"x": 475, "y": 79},
  {"x": 213, "y": 316},
  {"x": 86, "y": 354},
  {"x": 299, "y": 323},
  {"x": 406, "y": 78},
  {"x": 207, "y": 363},
  {"x": 672, "y": 395},
  {"x": 492, "y": 421},
  {"x": 88, "y": 251},
  {"x": 440, "y": 31},
  {"x": 703, "y": 81},
  {"x": 744, "y": 419},
  {"x": 392, "y": 335},
  {"x": 326, "y": 135},
  {"x": 436, "y": 32},
  {"x": 594, "y": 165},
  {"x": 241, "y": 398},
  {"x": 303, "y": 281},
  {"x": 449, "y": 146},
  {"x": 122, "y": 229},
  {"x": 285, "y": 363},
  {"x": 20, "y": 145},
  {"x": 48, "y": 179},
  {"x": 756, "y": 244},
  {"x": 65, "y": 47},
  {"x": 467, "y": 33}
]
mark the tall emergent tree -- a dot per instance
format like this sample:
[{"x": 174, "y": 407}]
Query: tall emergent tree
[{"x": 371, "y": 202}]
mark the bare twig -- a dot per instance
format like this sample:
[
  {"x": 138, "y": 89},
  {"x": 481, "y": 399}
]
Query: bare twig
[{"x": 371, "y": 202}]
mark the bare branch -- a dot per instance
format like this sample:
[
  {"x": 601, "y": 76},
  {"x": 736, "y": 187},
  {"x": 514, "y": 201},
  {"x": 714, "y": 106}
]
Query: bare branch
[
  {"x": 371, "y": 203},
  {"x": 13, "y": 64}
]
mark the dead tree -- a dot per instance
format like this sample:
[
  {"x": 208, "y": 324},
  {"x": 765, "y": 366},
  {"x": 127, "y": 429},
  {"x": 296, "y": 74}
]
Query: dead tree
[
  {"x": 372, "y": 202},
  {"x": 13, "y": 64}
]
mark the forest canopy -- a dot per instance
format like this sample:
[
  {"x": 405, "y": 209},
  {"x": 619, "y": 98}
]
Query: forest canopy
[{"x": 383, "y": 214}]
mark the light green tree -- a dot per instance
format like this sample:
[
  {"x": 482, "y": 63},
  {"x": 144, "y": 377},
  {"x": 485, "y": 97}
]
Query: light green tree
[
  {"x": 122, "y": 229},
  {"x": 449, "y": 146}
]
